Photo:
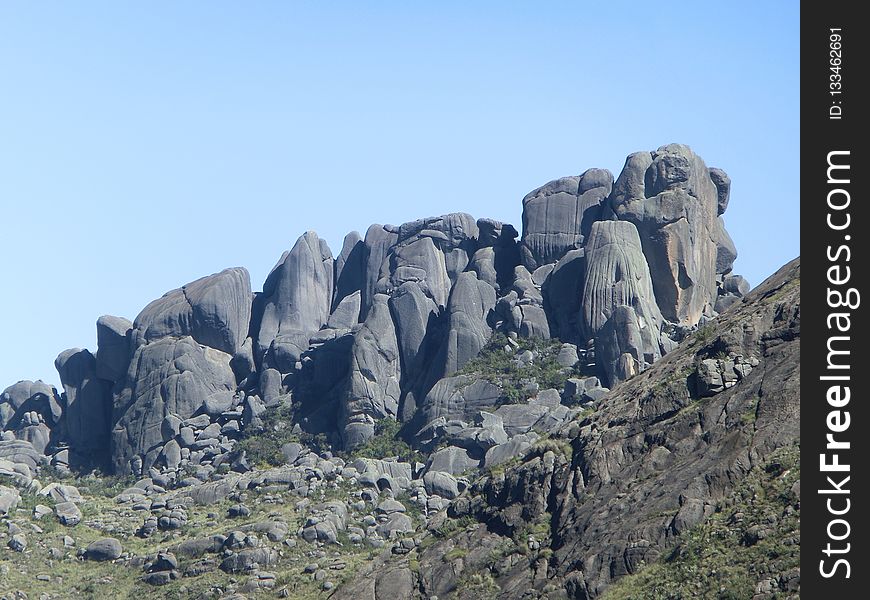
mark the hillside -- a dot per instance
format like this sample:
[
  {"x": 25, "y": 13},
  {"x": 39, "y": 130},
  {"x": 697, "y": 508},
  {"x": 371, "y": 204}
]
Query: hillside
[{"x": 440, "y": 410}]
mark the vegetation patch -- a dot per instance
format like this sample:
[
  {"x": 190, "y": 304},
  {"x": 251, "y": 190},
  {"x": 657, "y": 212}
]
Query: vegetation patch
[
  {"x": 386, "y": 442},
  {"x": 495, "y": 365},
  {"x": 262, "y": 445},
  {"x": 753, "y": 536}
]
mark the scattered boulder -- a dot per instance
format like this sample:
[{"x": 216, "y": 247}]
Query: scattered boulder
[{"x": 103, "y": 550}]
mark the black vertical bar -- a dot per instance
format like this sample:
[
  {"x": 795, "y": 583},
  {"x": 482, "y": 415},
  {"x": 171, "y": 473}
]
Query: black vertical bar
[{"x": 834, "y": 233}]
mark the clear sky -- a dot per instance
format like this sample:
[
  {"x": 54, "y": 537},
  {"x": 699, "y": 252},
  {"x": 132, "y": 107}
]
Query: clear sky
[{"x": 143, "y": 145}]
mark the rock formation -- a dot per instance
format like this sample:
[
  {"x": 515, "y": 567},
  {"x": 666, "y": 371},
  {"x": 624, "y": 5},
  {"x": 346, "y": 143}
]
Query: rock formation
[
  {"x": 456, "y": 409},
  {"x": 620, "y": 270}
]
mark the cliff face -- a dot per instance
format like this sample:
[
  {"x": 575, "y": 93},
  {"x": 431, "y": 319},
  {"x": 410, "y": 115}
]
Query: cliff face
[{"x": 664, "y": 454}]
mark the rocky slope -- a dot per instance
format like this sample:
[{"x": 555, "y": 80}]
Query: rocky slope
[
  {"x": 427, "y": 414},
  {"x": 666, "y": 456}
]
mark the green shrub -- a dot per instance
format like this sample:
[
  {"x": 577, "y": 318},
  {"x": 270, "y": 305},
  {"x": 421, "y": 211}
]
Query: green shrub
[
  {"x": 387, "y": 442},
  {"x": 717, "y": 559},
  {"x": 262, "y": 445},
  {"x": 495, "y": 365},
  {"x": 455, "y": 554}
]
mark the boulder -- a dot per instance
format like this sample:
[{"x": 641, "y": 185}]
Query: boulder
[
  {"x": 25, "y": 397},
  {"x": 471, "y": 301},
  {"x": 103, "y": 549},
  {"x": 215, "y": 311},
  {"x": 113, "y": 347},
  {"x": 459, "y": 397},
  {"x": 671, "y": 197},
  {"x": 244, "y": 560},
  {"x": 518, "y": 445},
  {"x": 441, "y": 484},
  {"x": 350, "y": 269},
  {"x": 562, "y": 293},
  {"x": 88, "y": 410},
  {"x": 520, "y": 418},
  {"x": 557, "y": 216},
  {"x": 68, "y": 513},
  {"x": 167, "y": 377},
  {"x": 373, "y": 386},
  {"x": 379, "y": 240},
  {"x": 9, "y": 499},
  {"x": 295, "y": 303},
  {"x": 452, "y": 460}
]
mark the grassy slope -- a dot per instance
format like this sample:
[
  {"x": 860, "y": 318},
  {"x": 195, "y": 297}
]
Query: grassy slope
[{"x": 755, "y": 534}]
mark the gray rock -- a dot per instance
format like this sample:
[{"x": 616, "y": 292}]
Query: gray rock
[
  {"x": 567, "y": 356},
  {"x": 103, "y": 549},
  {"x": 275, "y": 531},
  {"x": 459, "y": 397},
  {"x": 622, "y": 348},
  {"x": 671, "y": 198},
  {"x": 196, "y": 547},
  {"x": 723, "y": 188},
  {"x": 59, "y": 492},
  {"x": 518, "y": 445},
  {"x": 452, "y": 460},
  {"x": 421, "y": 262},
  {"x": 557, "y": 215},
  {"x": 390, "y": 506},
  {"x": 215, "y": 311},
  {"x": 9, "y": 499},
  {"x": 166, "y": 377},
  {"x": 160, "y": 577},
  {"x": 483, "y": 264},
  {"x": 291, "y": 452},
  {"x": 736, "y": 284},
  {"x": 295, "y": 303},
  {"x": 17, "y": 542},
  {"x": 113, "y": 347},
  {"x": 394, "y": 469},
  {"x": 520, "y": 418},
  {"x": 170, "y": 427},
  {"x": 709, "y": 378},
  {"x": 244, "y": 560},
  {"x": 24, "y": 397},
  {"x": 374, "y": 389},
  {"x": 533, "y": 322},
  {"x": 345, "y": 315},
  {"x": 617, "y": 276},
  {"x": 455, "y": 235},
  {"x": 441, "y": 484},
  {"x": 471, "y": 301},
  {"x": 186, "y": 436},
  {"x": 594, "y": 394},
  {"x": 396, "y": 523},
  {"x": 350, "y": 269},
  {"x": 724, "y": 302},
  {"x": 68, "y": 513},
  {"x": 379, "y": 239},
  {"x": 171, "y": 455},
  {"x": 562, "y": 293}
]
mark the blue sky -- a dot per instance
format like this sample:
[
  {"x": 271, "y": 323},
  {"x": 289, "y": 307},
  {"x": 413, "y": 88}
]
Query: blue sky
[{"x": 143, "y": 145}]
